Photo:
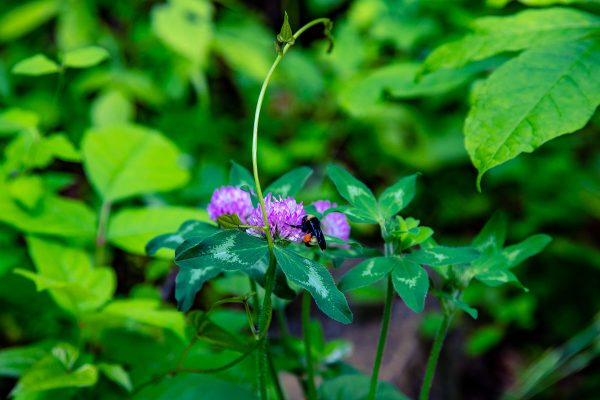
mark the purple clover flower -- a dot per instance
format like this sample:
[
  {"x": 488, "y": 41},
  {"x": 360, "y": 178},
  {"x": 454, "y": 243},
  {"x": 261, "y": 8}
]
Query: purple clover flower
[
  {"x": 281, "y": 213},
  {"x": 333, "y": 224},
  {"x": 230, "y": 200}
]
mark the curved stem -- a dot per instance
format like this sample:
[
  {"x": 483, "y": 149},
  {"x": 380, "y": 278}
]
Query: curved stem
[
  {"x": 387, "y": 310},
  {"x": 434, "y": 356},
  {"x": 101, "y": 233},
  {"x": 310, "y": 379}
]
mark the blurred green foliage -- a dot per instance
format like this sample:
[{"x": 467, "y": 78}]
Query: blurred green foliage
[{"x": 118, "y": 119}]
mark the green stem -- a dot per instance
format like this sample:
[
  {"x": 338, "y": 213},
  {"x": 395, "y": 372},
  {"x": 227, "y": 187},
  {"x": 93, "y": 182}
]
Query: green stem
[
  {"x": 387, "y": 310},
  {"x": 274, "y": 376},
  {"x": 434, "y": 356},
  {"x": 101, "y": 233},
  {"x": 310, "y": 380}
]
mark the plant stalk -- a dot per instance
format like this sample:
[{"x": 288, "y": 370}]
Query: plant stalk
[
  {"x": 387, "y": 311},
  {"x": 101, "y": 233},
  {"x": 434, "y": 356}
]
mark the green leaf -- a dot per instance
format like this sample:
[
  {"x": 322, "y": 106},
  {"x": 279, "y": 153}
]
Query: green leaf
[
  {"x": 112, "y": 107},
  {"x": 499, "y": 277},
  {"x": 85, "y": 57},
  {"x": 36, "y": 65},
  {"x": 14, "y": 361},
  {"x": 483, "y": 339},
  {"x": 127, "y": 160},
  {"x": 185, "y": 27},
  {"x": 441, "y": 255},
  {"x": 240, "y": 176},
  {"x": 397, "y": 196},
  {"x": 189, "y": 282},
  {"x": 50, "y": 373},
  {"x": 544, "y": 93},
  {"x": 117, "y": 374},
  {"x": 290, "y": 183},
  {"x": 68, "y": 274},
  {"x": 13, "y": 120},
  {"x": 529, "y": 28},
  {"x": 230, "y": 250},
  {"x": 286, "y": 35},
  {"x": 356, "y": 192},
  {"x": 187, "y": 230},
  {"x": 26, "y": 17},
  {"x": 356, "y": 387},
  {"x": 315, "y": 278},
  {"x": 411, "y": 282},
  {"x": 366, "y": 273},
  {"x": 531, "y": 246},
  {"x": 492, "y": 236},
  {"x": 458, "y": 303},
  {"x": 132, "y": 228}
]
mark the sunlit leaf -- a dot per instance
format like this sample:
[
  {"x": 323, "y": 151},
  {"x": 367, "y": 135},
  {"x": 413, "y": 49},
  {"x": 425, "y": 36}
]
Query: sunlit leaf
[
  {"x": 36, "y": 65},
  {"x": 25, "y": 17},
  {"x": 84, "y": 57},
  {"x": 117, "y": 374}
]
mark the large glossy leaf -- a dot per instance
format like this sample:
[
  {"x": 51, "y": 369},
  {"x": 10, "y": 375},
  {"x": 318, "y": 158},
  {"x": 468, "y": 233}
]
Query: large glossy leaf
[
  {"x": 187, "y": 230},
  {"x": 356, "y": 192},
  {"x": 68, "y": 274},
  {"x": 315, "y": 278},
  {"x": 132, "y": 228},
  {"x": 397, "y": 196},
  {"x": 290, "y": 183},
  {"x": 529, "y": 28},
  {"x": 544, "y": 93},
  {"x": 366, "y": 273},
  {"x": 185, "y": 27},
  {"x": 127, "y": 160},
  {"x": 411, "y": 282},
  {"x": 441, "y": 255},
  {"x": 230, "y": 250}
]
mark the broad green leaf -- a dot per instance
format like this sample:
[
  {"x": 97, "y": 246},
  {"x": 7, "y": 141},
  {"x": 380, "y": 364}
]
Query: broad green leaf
[
  {"x": 68, "y": 274},
  {"x": 411, "y": 282},
  {"x": 397, "y": 196},
  {"x": 84, "y": 57},
  {"x": 27, "y": 190},
  {"x": 193, "y": 386},
  {"x": 50, "y": 373},
  {"x": 54, "y": 216},
  {"x": 36, "y": 65},
  {"x": 29, "y": 150},
  {"x": 187, "y": 230},
  {"x": 189, "y": 282},
  {"x": 185, "y": 26},
  {"x": 363, "y": 96},
  {"x": 366, "y": 273},
  {"x": 230, "y": 250},
  {"x": 529, "y": 28},
  {"x": 315, "y": 278},
  {"x": 442, "y": 255},
  {"x": 492, "y": 236},
  {"x": 290, "y": 183},
  {"x": 16, "y": 119},
  {"x": 356, "y": 387},
  {"x": 26, "y": 17},
  {"x": 112, "y": 107},
  {"x": 128, "y": 160},
  {"x": 240, "y": 176},
  {"x": 132, "y": 228},
  {"x": 16, "y": 360},
  {"x": 353, "y": 213},
  {"x": 117, "y": 374},
  {"x": 544, "y": 93},
  {"x": 499, "y": 277},
  {"x": 136, "y": 314},
  {"x": 541, "y": 3},
  {"x": 212, "y": 333},
  {"x": 356, "y": 192}
]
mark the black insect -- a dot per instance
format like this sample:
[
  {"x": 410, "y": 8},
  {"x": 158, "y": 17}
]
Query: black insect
[{"x": 313, "y": 235}]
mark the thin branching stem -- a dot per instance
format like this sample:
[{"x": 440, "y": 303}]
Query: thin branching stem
[{"x": 435, "y": 355}]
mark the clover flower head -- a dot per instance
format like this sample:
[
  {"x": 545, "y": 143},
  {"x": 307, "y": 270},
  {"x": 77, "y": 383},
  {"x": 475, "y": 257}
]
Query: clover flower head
[
  {"x": 230, "y": 200},
  {"x": 333, "y": 224},
  {"x": 281, "y": 213}
]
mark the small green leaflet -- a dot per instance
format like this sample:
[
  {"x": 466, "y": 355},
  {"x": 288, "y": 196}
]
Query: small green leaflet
[
  {"x": 356, "y": 192},
  {"x": 286, "y": 35},
  {"x": 491, "y": 238},
  {"x": 117, "y": 374},
  {"x": 240, "y": 176},
  {"x": 397, "y": 196},
  {"x": 315, "y": 278},
  {"x": 189, "y": 282},
  {"x": 36, "y": 65},
  {"x": 84, "y": 57},
  {"x": 411, "y": 282},
  {"x": 366, "y": 273},
  {"x": 441, "y": 255},
  {"x": 290, "y": 183}
]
